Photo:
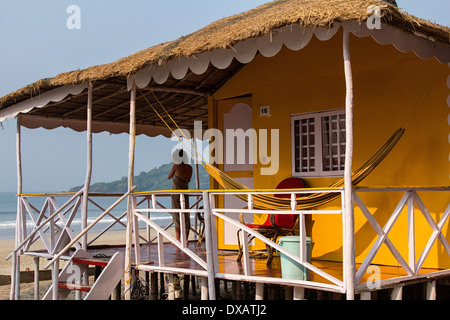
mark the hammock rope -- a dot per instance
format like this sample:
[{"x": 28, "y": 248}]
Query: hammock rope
[{"x": 264, "y": 201}]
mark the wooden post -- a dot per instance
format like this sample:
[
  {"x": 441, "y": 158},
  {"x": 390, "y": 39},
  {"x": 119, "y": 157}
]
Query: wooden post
[
  {"x": 245, "y": 290},
  {"x": 15, "y": 272},
  {"x": 210, "y": 252},
  {"x": 162, "y": 289},
  {"x": 259, "y": 291},
  {"x": 154, "y": 286},
  {"x": 366, "y": 295},
  {"x": 411, "y": 233},
  {"x": 204, "y": 288},
  {"x": 348, "y": 216},
  {"x": 397, "y": 293},
  {"x": 55, "y": 276},
  {"x": 128, "y": 241},
  {"x": 288, "y": 293},
  {"x": 193, "y": 286},
  {"x": 431, "y": 290},
  {"x": 197, "y": 186},
  {"x": 87, "y": 181},
  {"x": 186, "y": 287},
  {"x": 171, "y": 289},
  {"x": 299, "y": 293},
  {"x": 36, "y": 278}
]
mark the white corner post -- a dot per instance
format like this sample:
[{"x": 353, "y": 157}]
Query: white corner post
[
  {"x": 15, "y": 272},
  {"x": 348, "y": 212},
  {"x": 128, "y": 240},
  {"x": 87, "y": 182},
  {"x": 210, "y": 254}
]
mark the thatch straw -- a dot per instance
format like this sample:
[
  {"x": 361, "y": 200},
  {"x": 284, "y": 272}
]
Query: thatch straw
[{"x": 227, "y": 32}]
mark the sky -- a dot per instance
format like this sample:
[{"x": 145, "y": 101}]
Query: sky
[{"x": 36, "y": 43}]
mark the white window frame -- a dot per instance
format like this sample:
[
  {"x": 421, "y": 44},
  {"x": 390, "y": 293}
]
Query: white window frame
[{"x": 318, "y": 133}]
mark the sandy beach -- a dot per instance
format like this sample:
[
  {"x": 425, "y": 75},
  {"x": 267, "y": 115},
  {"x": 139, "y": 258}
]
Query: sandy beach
[{"x": 27, "y": 265}]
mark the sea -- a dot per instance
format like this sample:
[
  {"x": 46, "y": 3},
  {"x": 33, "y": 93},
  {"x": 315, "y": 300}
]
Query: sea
[{"x": 8, "y": 213}]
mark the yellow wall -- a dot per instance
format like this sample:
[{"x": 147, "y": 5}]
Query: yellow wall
[{"x": 391, "y": 90}]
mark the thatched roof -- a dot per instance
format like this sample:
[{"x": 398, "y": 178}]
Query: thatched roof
[{"x": 225, "y": 33}]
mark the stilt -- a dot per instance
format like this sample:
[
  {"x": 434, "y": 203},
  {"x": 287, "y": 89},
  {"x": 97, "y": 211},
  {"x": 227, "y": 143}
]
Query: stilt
[
  {"x": 288, "y": 293},
  {"x": 36, "y": 278},
  {"x": 204, "y": 288},
  {"x": 162, "y": 290},
  {"x": 299, "y": 293},
  {"x": 171, "y": 287},
  {"x": 245, "y": 291},
  {"x": 217, "y": 282},
  {"x": 176, "y": 286},
  {"x": 194, "y": 286},
  {"x": 236, "y": 290},
  {"x": 186, "y": 287},
  {"x": 147, "y": 284},
  {"x": 366, "y": 295},
  {"x": 154, "y": 286},
  {"x": 397, "y": 293},
  {"x": 259, "y": 291},
  {"x": 55, "y": 276},
  {"x": 98, "y": 270},
  {"x": 431, "y": 290},
  {"x": 273, "y": 292}
]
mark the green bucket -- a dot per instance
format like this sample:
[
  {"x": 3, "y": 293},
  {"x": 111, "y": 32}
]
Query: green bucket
[{"x": 289, "y": 268}]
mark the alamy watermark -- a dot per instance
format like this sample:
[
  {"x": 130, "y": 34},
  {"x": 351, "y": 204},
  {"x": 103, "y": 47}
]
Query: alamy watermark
[
  {"x": 242, "y": 147},
  {"x": 374, "y": 280},
  {"x": 374, "y": 21},
  {"x": 73, "y": 21}
]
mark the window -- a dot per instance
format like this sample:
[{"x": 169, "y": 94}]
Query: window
[{"x": 318, "y": 144}]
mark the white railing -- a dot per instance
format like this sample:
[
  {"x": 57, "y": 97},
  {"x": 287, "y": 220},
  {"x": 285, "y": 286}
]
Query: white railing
[
  {"x": 52, "y": 223},
  {"x": 209, "y": 263},
  {"x": 153, "y": 204},
  {"x": 412, "y": 203},
  {"x": 55, "y": 224},
  {"x": 44, "y": 225},
  {"x": 335, "y": 285}
]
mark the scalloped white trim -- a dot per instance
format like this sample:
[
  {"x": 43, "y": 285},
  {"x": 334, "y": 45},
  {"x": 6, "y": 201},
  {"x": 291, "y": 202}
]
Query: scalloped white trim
[{"x": 295, "y": 38}]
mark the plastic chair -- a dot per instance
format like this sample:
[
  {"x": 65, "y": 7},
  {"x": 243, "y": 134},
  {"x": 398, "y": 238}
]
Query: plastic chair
[{"x": 276, "y": 225}]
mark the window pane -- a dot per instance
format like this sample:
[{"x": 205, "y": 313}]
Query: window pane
[
  {"x": 333, "y": 142},
  {"x": 297, "y": 145},
  {"x": 304, "y": 144}
]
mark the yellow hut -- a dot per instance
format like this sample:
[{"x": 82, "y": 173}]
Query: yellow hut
[{"x": 303, "y": 89}]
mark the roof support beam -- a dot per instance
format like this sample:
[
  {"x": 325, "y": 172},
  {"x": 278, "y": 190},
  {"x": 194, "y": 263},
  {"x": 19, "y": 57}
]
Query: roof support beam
[
  {"x": 177, "y": 90},
  {"x": 96, "y": 101}
]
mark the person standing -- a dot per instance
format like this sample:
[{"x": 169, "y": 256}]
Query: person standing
[{"x": 180, "y": 174}]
